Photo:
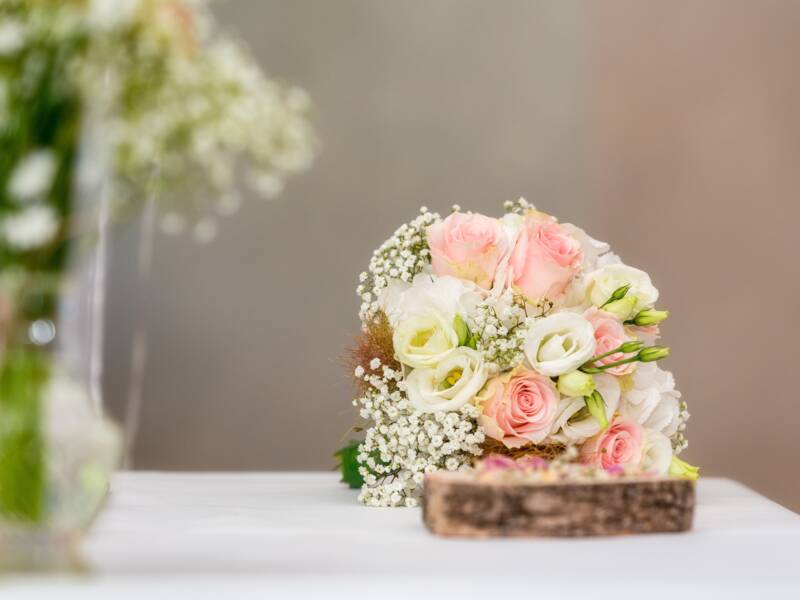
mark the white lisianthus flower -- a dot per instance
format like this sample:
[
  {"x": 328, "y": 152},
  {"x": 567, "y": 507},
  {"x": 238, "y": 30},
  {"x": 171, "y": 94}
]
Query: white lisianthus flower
[
  {"x": 449, "y": 385},
  {"x": 448, "y": 296},
  {"x": 559, "y": 343},
  {"x": 33, "y": 176},
  {"x": 31, "y": 228},
  {"x": 424, "y": 340},
  {"x": 601, "y": 284},
  {"x": 570, "y": 427},
  {"x": 651, "y": 399},
  {"x": 656, "y": 453}
]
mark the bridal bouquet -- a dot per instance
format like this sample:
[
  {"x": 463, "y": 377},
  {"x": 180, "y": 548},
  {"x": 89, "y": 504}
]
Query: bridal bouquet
[{"x": 519, "y": 336}]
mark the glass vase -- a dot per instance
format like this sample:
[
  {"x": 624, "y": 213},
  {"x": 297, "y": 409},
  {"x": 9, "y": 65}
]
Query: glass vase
[{"x": 57, "y": 449}]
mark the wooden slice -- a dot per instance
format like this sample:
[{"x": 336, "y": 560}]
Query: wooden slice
[{"x": 459, "y": 504}]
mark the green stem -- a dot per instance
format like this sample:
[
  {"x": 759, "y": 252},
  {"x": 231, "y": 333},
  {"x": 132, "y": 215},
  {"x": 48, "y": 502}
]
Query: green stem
[{"x": 600, "y": 369}]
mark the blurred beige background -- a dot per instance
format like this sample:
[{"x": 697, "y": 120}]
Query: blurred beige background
[{"x": 670, "y": 130}]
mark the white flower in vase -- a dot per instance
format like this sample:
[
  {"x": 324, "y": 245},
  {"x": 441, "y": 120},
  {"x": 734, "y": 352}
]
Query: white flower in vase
[
  {"x": 33, "y": 176},
  {"x": 31, "y": 228}
]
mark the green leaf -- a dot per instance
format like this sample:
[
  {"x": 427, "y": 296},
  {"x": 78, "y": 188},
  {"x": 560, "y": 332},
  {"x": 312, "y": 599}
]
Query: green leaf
[
  {"x": 22, "y": 447},
  {"x": 348, "y": 465},
  {"x": 680, "y": 468}
]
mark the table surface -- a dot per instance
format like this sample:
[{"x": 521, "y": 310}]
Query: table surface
[{"x": 175, "y": 535}]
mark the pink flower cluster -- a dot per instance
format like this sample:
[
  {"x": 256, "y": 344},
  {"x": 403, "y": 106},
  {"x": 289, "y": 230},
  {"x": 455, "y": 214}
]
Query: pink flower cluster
[{"x": 539, "y": 261}]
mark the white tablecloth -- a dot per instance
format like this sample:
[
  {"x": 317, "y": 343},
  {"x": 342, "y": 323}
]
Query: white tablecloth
[{"x": 287, "y": 535}]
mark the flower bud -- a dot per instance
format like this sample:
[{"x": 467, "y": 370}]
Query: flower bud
[
  {"x": 619, "y": 293},
  {"x": 575, "y": 384},
  {"x": 650, "y": 316},
  {"x": 621, "y": 308},
  {"x": 631, "y": 347},
  {"x": 597, "y": 408},
  {"x": 680, "y": 468},
  {"x": 462, "y": 331},
  {"x": 653, "y": 353}
]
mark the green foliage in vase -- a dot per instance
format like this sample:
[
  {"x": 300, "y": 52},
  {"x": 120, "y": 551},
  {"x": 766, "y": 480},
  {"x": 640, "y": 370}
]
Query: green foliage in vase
[{"x": 23, "y": 378}]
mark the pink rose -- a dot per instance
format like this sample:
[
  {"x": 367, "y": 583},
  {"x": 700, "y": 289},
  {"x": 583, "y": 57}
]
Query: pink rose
[
  {"x": 609, "y": 333},
  {"x": 520, "y": 409},
  {"x": 545, "y": 258},
  {"x": 468, "y": 246},
  {"x": 617, "y": 446}
]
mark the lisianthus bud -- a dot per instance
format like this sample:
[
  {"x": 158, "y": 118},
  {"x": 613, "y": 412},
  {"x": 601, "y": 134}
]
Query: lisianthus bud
[
  {"x": 621, "y": 308},
  {"x": 575, "y": 384},
  {"x": 597, "y": 408},
  {"x": 630, "y": 347},
  {"x": 653, "y": 353},
  {"x": 650, "y": 316},
  {"x": 462, "y": 331},
  {"x": 680, "y": 468},
  {"x": 619, "y": 293}
]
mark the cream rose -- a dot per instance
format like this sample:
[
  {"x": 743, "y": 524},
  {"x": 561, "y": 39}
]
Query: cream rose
[
  {"x": 559, "y": 343},
  {"x": 424, "y": 340},
  {"x": 450, "y": 384},
  {"x": 602, "y": 283}
]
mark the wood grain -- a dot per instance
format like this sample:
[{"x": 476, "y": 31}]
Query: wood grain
[{"x": 457, "y": 504}]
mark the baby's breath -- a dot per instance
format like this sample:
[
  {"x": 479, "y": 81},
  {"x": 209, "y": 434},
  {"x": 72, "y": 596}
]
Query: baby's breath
[
  {"x": 401, "y": 257},
  {"x": 499, "y": 325},
  {"x": 402, "y": 445}
]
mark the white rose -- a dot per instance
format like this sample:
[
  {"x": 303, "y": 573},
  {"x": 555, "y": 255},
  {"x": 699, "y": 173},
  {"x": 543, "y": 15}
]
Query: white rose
[
  {"x": 448, "y": 386},
  {"x": 448, "y": 296},
  {"x": 652, "y": 400},
  {"x": 571, "y": 430},
  {"x": 424, "y": 340},
  {"x": 559, "y": 343},
  {"x": 656, "y": 453},
  {"x": 602, "y": 283}
]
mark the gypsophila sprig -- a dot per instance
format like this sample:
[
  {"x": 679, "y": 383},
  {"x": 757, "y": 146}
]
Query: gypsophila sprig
[
  {"x": 500, "y": 326},
  {"x": 519, "y": 336},
  {"x": 400, "y": 257},
  {"x": 182, "y": 111}
]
